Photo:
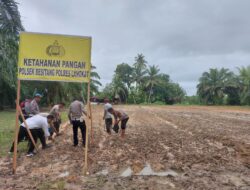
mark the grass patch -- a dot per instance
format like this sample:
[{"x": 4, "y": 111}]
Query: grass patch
[
  {"x": 7, "y": 128},
  {"x": 57, "y": 185},
  {"x": 44, "y": 186},
  {"x": 64, "y": 116}
]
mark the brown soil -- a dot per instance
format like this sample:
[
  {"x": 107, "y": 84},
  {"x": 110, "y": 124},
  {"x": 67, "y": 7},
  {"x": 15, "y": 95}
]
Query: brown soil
[{"x": 206, "y": 147}]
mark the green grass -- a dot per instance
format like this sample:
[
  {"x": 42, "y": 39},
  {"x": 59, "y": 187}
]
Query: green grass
[
  {"x": 57, "y": 185},
  {"x": 64, "y": 116},
  {"x": 7, "y": 128}
]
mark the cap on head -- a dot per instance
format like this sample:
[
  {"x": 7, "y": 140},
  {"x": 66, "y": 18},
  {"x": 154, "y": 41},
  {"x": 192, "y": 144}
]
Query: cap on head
[{"x": 38, "y": 95}]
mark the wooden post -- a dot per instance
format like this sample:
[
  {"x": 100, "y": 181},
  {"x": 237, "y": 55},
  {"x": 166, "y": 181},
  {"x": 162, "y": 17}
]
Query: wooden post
[
  {"x": 27, "y": 128},
  {"x": 85, "y": 170},
  {"x": 91, "y": 124},
  {"x": 17, "y": 128}
]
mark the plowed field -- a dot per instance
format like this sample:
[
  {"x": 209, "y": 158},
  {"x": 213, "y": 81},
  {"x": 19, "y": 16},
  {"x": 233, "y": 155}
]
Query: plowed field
[{"x": 166, "y": 147}]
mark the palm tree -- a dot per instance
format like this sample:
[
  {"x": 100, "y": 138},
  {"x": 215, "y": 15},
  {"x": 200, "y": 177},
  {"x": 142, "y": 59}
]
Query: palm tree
[
  {"x": 10, "y": 22},
  {"x": 94, "y": 83},
  {"x": 119, "y": 89},
  {"x": 152, "y": 79},
  {"x": 140, "y": 67},
  {"x": 138, "y": 76},
  {"x": 212, "y": 85},
  {"x": 244, "y": 80},
  {"x": 10, "y": 26}
]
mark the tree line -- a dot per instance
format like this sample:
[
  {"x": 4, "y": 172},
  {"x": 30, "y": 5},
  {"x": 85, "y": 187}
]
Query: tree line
[
  {"x": 224, "y": 87},
  {"x": 142, "y": 83}
]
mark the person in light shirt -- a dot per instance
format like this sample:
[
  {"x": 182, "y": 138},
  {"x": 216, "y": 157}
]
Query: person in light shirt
[
  {"x": 39, "y": 128},
  {"x": 75, "y": 115},
  {"x": 33, "y": 106},
  {"x": 107, "y": 116}
]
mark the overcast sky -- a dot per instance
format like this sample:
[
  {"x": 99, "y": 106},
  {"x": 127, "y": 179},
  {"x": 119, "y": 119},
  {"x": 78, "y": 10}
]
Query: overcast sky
[{"x": 183, "y": 37}]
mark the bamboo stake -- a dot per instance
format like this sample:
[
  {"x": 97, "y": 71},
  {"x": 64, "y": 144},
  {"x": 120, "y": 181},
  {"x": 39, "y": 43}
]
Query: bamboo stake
[
  {"x": 85, "y": 170},
  {"x": 17, "y": 128},
  {"x": 27, "y": 128},
  {"x": 91, "y": 124}
]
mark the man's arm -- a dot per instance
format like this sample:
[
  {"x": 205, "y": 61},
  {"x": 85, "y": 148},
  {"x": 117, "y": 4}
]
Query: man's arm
[
  {"x": 115, "y": 116},
  {"x": 69, "y": 113},
  {"x": 45, "y": 128},
  {"x": 83, "y": 110},
  {"x": 104, "y": 114},
  {"x": 117, "y": 121},
  {"x": 51, "y": 110},
  {"x": 53, "y": 127},
  {"x": 57, "y": 114}
]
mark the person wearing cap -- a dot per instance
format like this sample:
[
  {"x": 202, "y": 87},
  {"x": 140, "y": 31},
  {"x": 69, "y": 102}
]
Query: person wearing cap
[
  {"x": 107, "y": 116},
  {"x": 75, "y": 115},
  {"x": 34, "y": 108},
  {"x": 39, "y": 128}
]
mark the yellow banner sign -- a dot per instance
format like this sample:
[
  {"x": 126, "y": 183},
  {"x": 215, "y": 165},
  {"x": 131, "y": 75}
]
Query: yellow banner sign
[{"x": 50, "y": 57}]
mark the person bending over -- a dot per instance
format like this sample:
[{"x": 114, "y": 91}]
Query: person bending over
[
  {"x": 39, "y": 128},
  {"x": 55, "y": 111},
  {"x": 120, "y": 116}
]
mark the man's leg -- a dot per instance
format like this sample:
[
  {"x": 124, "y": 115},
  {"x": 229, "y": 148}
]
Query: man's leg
[
  {"x": 21, "y": 136},
  {"x": 58, "y": 124},
  {"x": 108, "y": 123},
  {"x": 34, "y": 135},
  {"x": 123, "y": 126},
  {"x": 83, "y": 131},
  {"x": 40, "y": 135},
  {"x": 75, "y": 132}
]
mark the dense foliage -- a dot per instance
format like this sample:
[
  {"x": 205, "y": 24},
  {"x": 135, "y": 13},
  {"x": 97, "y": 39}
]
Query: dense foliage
[
  {"x": 10, "y": 26},
  {"x": 221, "y": 86},
  {"x": 142, "y": 83}
]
